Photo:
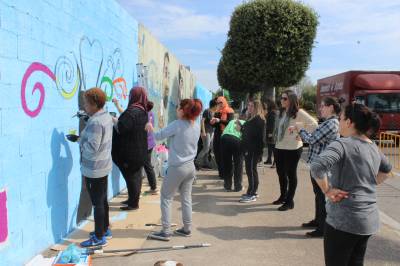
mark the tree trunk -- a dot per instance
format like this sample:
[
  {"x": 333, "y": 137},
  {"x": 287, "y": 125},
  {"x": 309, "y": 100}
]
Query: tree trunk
[{"x": 269, "y": 93}]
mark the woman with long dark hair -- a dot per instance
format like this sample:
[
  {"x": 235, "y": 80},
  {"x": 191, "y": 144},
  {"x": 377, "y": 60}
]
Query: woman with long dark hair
[
  {"x": 288, "y": 147},
  {"x": 348, "y": 172},
  {"x": 221, "y": 118},
  {"x": 183, "y": 134},
  {"x": 129, "y": 149},
  {"x": 253, "y": 141},
  {"x": 318, "y": 140}
]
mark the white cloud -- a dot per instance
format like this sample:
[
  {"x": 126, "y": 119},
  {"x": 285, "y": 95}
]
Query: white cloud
[
  {"x": 169, "y": 21},
  {"x": 343, "y": 21}
]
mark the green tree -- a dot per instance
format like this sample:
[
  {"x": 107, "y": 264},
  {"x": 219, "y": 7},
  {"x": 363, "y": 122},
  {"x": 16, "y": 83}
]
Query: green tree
[{"x": 269, "y": 45}]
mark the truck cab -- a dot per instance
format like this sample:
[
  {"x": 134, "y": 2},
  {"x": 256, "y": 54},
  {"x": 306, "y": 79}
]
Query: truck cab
[{"x": 379, "y": 90}]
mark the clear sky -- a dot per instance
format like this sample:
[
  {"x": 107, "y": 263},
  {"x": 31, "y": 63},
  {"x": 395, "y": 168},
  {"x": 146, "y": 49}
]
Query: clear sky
[{"x": 352, "y": 34}]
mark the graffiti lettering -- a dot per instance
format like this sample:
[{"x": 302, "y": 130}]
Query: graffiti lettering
[
  {"x": 92, "y": 45},
  {"x": 120, "y": 85},
  {"x": 38, "y": 86},
  {"x": 3, "y": 217},
  {"x": 67, "y": 76},
  {"x": 107, "y": 81}
]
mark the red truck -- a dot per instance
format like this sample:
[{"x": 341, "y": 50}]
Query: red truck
[{"x": 379, "y": 90}]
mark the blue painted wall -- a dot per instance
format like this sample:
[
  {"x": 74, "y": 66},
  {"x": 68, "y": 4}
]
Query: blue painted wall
[
  {"x": 202, "y": 93},
  {"x": 67, "y": 46}
]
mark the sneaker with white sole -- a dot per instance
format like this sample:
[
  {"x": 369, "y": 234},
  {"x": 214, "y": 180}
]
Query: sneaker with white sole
[
  {"x": 245, "y": 195},
  {"x": 160, "y": 236},
  {"x": 182, "y": 232},
  {"x": 93, "y": 241},
  {"x": 247, "y": 199},
  {"x": 107, "y": 234}
]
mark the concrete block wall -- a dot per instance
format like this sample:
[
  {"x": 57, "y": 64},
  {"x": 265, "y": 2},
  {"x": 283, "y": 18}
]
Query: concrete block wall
[{"x": 50, "y": 51}]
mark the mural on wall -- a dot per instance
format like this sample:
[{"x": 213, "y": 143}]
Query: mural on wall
[
  {"x": 3, "y": 216},
  {"x": 168, "y": 80},
  {"x": 69, "y": 75},
  {"x": 74, "y": 74},
  {"x": 181, "y": 84}
]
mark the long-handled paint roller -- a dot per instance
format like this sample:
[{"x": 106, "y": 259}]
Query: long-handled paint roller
[
  {"x": 154, "y": 224},
  {"x": 132, "y": 251}
]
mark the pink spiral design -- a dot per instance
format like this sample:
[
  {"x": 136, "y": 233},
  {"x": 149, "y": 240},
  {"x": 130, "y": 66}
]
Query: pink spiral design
[{"x": 38, "y": 86}]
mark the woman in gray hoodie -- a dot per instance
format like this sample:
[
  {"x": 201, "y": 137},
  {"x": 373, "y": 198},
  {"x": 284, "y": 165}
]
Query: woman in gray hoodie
[{"x": 183, "y": 134}]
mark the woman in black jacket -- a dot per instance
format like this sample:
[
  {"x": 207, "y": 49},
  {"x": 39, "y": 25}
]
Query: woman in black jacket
[
  {"x": 129, "y": 147},
  {"x": 253, "y": 141},
  {"x": 271, "y": 119},
  {"x": 221, "y": 118}
]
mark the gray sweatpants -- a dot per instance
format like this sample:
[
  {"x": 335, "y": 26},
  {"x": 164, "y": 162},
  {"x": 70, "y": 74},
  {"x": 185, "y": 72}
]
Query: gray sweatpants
[{"x": 178, "y": 178}]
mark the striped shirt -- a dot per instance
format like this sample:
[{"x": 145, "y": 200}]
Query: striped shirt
[
  {"x": 95, "y": 145},
  {"x": 321, "y": 137}
]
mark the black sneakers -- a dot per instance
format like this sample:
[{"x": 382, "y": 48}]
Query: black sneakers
[
  {"x": 310, "y": 224},
  {"x": 160, "y": 236},
  {"x": 286, "y": 206},
  {"x": 182, "y": 232},
  {"x": 315, "y": 234}
]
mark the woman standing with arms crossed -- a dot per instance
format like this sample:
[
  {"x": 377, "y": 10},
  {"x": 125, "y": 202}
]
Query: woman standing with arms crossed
[
  {"x": 96, "y": 163},
  {"x": 221, "y": 118},
  {"x": 184, "y": 134},
  {"x": 318, "y": 140},
  {"x": 129, "y": 149},
  {"x": 253, "y": 142},
  {"x": 355, "y": 167},
  {"x": 288, "y": 147}
]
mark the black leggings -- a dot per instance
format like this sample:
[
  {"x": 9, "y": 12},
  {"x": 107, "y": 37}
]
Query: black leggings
[
  {"x": 344, "y": 249},
  {"x": 231, "y": 152},
  {"x": 218, "y": 153},
  {"x": 286, "y": 168},
  {"x": 270, "y": 150},
  {"x": 251, "y": 160},
  {"x": 97, "y": 188},
  {"x": 133, "y": 179},
  {"x": 149, "y": 169},
  {"x": 320, "y": 211}
]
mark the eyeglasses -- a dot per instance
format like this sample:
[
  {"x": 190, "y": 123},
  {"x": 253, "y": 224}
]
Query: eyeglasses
[
  {"x": 219, "y": 102},
  {"x": 284, "y": 98}
]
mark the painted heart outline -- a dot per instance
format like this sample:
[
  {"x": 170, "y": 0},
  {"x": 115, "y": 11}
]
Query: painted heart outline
[{"x": 84, "y": 61}]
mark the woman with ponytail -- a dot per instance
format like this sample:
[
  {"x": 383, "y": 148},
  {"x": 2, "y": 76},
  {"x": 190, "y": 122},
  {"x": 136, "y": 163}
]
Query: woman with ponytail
[
  {"x": 220, "y": 120},
  {"x": 348, "y": 172},
  {"x": 318, "y": 140},
  {"x": 183, "y": 134}
]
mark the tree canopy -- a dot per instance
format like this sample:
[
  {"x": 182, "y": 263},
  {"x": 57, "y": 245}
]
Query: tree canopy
[{"x": 269, "y": 45}]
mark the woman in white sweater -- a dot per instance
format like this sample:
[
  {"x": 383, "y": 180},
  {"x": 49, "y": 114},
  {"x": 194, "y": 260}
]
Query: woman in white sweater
[{"x": 288, "y": 147}]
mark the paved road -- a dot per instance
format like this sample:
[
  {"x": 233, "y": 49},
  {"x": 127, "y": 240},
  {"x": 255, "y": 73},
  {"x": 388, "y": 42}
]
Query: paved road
[{"x": 255, "y": 233}]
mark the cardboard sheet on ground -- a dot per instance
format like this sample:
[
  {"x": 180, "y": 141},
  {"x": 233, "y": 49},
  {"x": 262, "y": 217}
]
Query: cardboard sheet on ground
[{"x": 128, "y": 228}]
